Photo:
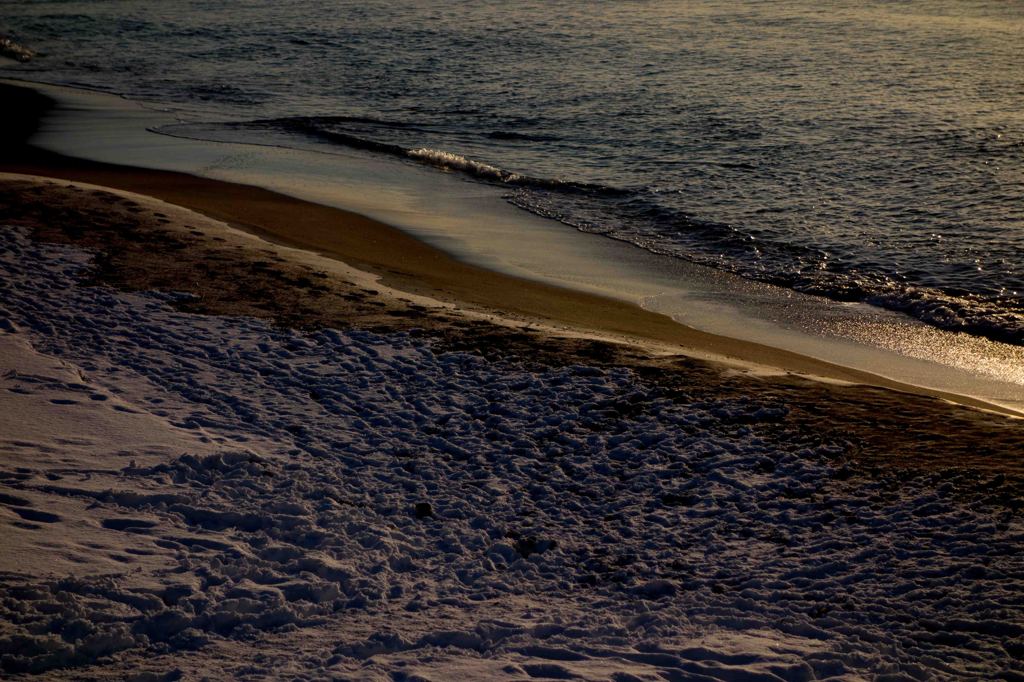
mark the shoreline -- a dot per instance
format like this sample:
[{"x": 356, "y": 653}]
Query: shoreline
[
  {"x": 224, "y": 450},
  {"x": 276, "y": 404},
  {"x": 225, "y": 271},
  {"x": 408, "y": 264}
]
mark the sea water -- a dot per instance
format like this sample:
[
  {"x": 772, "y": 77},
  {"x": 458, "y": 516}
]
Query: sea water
[{"x": 866, "y": 152}]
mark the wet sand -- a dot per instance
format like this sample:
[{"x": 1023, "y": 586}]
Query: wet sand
[{"x": 482, "y": 311}]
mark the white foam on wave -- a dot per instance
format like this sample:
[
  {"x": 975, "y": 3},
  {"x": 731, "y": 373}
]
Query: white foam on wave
[
  {"x": 449, "y": 161},
  {"x": 15, "y": 51}
]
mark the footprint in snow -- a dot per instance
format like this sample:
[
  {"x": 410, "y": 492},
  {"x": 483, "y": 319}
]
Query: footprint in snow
[
  {"x": 35, "y": 515},
  {"x": 129, "y": 525},
  {"x": 13, "y": 500}
]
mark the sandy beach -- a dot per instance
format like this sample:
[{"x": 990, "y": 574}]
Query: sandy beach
[
  {"x": 266, "y": 280},
  {"x": 583, "y": 488}
]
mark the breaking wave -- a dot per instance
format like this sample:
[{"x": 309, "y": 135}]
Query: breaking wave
[
  {"x": 15, "y": 51},
  {"x": 328, "y": 129},
  {"x": 454, "y": 162}
]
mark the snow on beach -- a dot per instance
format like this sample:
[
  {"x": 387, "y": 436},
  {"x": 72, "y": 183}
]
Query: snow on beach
[{"x": 242, "y": 501}]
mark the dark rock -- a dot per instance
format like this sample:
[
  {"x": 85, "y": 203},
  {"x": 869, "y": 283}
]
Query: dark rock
[{"x": 423, "y": 510}]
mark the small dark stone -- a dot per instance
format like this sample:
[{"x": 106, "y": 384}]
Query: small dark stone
[{"x": 423, "y": 510}]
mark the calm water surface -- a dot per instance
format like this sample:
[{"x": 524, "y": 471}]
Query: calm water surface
[{"x": 866, "y": 151}]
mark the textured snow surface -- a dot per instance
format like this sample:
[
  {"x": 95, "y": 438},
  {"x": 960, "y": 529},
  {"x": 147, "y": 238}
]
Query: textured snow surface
[{"x": 408, "y": 514}]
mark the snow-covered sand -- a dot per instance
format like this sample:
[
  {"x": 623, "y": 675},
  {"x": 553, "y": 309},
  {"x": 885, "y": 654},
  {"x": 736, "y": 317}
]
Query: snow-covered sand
[{"x": 198, "y": 496}]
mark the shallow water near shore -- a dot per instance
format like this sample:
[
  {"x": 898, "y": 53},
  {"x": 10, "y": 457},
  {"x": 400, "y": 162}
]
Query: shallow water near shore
[
  {"x": 864, "y": 153},
  {"x": 472, "y": 222}
]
